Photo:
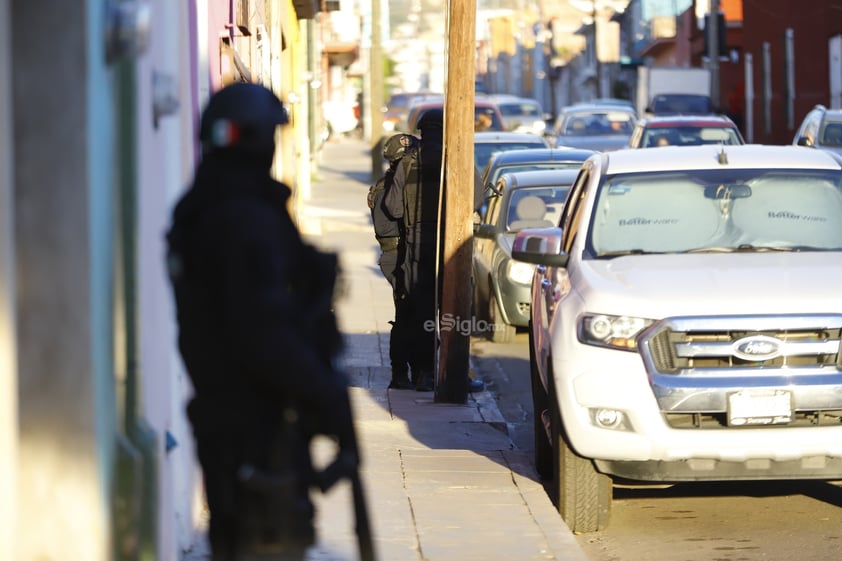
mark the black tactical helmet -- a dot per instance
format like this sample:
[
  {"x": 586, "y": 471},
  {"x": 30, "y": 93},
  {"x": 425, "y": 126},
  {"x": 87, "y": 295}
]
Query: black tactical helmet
[
  {"x": 396, "y": 146},
  {"x": 242, "y": 117},
  {"x": 431, "y": 119}
]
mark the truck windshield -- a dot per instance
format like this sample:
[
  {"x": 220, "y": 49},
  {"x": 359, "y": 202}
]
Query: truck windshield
[{"x": 721, "y": 210}]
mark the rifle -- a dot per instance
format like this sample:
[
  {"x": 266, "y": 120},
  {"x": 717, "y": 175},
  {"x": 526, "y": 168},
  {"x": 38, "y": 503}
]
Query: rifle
[
  {"x": 277, "y": 515},
  {"x": 346, "y": 464},
  {"x": 276, "y": 520}
]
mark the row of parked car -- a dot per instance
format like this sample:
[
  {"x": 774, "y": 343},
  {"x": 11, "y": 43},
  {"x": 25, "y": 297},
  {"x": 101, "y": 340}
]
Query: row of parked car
[
  {"x": 681, "y": 302},
  {"x": 504, "y": 155},
  {"x": 501, "y": 295},
  {"x": 600, "y": 125}
]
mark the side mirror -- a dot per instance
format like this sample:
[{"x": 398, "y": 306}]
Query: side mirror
[
  {"x": 540, "y": 246},
  {"x": 804, "y": 141}
]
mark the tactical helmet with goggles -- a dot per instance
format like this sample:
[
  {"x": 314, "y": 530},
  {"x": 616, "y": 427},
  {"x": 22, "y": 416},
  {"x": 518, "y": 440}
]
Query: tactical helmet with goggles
[
  {"x": 242, "y": 117},
  {"x": 396, "y": 146}
]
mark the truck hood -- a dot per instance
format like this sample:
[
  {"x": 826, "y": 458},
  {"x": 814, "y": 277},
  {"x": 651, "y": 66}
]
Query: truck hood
[{"x": 656, "y": 286}]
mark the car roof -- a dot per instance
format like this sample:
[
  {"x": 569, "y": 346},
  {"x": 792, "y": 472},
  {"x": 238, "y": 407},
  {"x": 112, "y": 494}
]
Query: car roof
[
  {"x": 436, "y": 101},
  {"x": 539, "y": 178},
  {"x": 709, "y": 157},
  {"x": 508, "y": 137},
  {"x": 833, "y": 114},
  {"x": 417, "y": 109},
  {"x": 542, "y": 155},
  {"x": 514, "y": 100},
  {"x": 607, "y": 101},
  {"x": 598, "y": 108},
  {"x": 503, "y": 97},
  {"x": 684, "y": 120}
]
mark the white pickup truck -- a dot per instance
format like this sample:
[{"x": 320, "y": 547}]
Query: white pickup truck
[{"x": 685, "y": 322}]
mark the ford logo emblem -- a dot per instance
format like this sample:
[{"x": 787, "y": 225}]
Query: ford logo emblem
[{"x": 757, "y": 348}]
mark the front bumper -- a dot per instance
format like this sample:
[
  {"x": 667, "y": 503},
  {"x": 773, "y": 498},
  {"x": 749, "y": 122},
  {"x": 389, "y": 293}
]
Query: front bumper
[
  {"x": 515, "y": 299},
  {"x": 677, "y": 423}
]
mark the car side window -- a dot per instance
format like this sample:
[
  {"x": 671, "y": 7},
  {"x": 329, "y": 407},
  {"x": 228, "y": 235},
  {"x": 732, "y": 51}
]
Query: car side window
[
  {"x": 572, "y": 214},
  {"x": 832, "y": 134},
  {"x": 493, "y": 210}
]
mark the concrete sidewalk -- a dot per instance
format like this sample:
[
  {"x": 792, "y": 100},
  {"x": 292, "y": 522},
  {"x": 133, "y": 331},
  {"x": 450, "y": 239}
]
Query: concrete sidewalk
[{"x": 443, "y": 481}]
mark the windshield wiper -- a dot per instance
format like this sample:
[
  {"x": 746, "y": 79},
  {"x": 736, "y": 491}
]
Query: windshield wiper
[
  {"x": 748, "y": 248},
  {"x": 622, "y": 252}
]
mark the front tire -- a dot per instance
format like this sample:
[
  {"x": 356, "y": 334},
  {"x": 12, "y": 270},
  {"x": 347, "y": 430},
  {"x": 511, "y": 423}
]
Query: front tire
[
  {"x": 543, "y": 449},
  {"x": 581, "y": 494}
]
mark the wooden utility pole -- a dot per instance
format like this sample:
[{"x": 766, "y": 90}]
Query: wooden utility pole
[
  {"x": 713, "y": 52},
  {"x": 457, "y": 201},
  {"x": 375, "y": 90}
]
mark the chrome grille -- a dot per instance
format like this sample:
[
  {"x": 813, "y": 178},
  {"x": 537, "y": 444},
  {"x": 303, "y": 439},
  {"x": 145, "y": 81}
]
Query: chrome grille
[
  {"x": 682, "y": 344},
  {"x": 695, "y": 363}
]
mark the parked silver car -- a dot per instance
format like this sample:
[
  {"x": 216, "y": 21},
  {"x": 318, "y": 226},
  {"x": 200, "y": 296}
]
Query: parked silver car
[
  {"x": 522, "y": 114},
  {"x": 526, "y": 199},
  {"x": 600, "y": 127},
  {"x": 821, "y": 128}
]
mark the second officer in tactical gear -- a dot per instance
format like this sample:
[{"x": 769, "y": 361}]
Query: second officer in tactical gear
[
  {"x": 389, "y": 233},
  {"x": 414, "y": 198},
  {"x": 256, "y": 334}
]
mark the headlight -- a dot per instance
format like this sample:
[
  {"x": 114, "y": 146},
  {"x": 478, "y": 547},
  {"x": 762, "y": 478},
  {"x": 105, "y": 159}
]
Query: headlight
[
  {"x": 617, "y": 332},
  {"x": 519, "y": 272}
]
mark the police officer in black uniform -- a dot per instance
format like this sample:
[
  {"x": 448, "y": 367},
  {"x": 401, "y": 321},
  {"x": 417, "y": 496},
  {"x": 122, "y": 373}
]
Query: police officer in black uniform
[
  {"x": 255, "y": 333},
  {"x": 414, "y": 198},
  {"x": 389, "y": 233}
]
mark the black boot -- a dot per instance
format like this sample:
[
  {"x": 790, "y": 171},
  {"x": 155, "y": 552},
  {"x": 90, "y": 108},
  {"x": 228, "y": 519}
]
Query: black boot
[
  {"x": 400, "y": 381},
  {"x": 425, "y": 382}
]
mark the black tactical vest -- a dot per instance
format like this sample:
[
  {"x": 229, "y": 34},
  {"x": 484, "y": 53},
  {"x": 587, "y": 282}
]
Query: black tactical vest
[
  {"x": 421, "y": 190},
  {"x": 387, "y": 230}
]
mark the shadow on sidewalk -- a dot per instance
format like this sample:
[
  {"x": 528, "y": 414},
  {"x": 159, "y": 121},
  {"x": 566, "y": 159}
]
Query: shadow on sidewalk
[
  {"x": 475, "y": 426},
  {"x": 338, "y": 202}
]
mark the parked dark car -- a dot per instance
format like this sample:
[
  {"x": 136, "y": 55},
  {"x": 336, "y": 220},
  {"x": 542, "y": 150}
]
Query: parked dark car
[
  {"x": 821, "y": 128},
  {"x": 487, "y": 144},
  {"x": 532, "y": 159},
  {"x": 397, "y": 109},
  {"x": 502, "y": 286},
  {"x": 484, "y": 110}
]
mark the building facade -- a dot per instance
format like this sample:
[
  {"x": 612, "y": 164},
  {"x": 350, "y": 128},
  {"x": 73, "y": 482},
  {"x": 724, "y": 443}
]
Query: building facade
[{"x": 99, "y": 107}]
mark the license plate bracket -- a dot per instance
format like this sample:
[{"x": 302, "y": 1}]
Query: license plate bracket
[{"x": 759, "y": 407}]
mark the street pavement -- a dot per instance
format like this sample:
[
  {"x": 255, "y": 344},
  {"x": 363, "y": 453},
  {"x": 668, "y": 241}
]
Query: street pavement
[{"x": 442, "y": 481}]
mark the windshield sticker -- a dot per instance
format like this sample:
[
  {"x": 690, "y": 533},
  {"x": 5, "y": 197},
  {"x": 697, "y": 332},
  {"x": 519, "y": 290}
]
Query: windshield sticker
[
  {"x": 618, "y": 189},
  {"x": 647, "y": 221},
  {"x": 787, "y": 215}
]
